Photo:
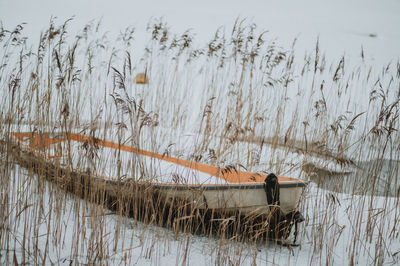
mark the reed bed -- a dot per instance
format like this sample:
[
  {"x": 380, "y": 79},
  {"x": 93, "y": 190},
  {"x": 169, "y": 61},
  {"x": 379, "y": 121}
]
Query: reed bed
[{"x": 240, "y": 102}]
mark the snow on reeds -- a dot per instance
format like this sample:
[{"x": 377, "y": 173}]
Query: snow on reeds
[{"x": 240, "y": 100}]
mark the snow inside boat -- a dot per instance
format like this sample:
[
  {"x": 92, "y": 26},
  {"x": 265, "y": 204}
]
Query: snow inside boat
[{"x": 203, "y": 186}]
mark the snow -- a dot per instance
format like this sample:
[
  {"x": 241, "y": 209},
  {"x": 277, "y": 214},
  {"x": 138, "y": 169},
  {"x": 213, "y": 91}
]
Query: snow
[
  {"x": 342, "y": 27},
  {"x": 157, "y": 170}
]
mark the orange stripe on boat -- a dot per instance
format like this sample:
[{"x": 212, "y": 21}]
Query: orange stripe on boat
[{"x": 232, "y": 176}]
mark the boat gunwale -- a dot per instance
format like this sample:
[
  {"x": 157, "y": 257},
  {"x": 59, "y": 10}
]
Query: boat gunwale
[{"x": 182, "y": 186}]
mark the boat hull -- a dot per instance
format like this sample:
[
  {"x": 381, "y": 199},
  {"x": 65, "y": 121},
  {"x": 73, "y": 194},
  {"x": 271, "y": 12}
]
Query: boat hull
[
  {"x": 243, "y": 198},
  {"x": 167, "y": 203}
]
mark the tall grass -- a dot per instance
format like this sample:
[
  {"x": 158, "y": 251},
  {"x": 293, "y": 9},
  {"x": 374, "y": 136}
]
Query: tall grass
[{"x": 247, "y": 102}]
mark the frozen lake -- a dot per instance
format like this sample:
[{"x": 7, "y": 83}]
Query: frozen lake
[{"x": 345, "y": 223}]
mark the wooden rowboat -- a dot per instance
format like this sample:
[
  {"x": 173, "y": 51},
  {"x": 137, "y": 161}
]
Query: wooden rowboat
[{"x": 226, "y": 191}]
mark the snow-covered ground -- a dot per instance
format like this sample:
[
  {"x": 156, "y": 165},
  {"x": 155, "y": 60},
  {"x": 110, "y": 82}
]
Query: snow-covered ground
[{"x": 69, "y": 230}]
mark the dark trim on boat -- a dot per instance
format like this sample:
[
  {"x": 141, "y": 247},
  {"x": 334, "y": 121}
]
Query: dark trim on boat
[
  {"x": 226, "y": 187},
  {"x": 211, "y": 187}
]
